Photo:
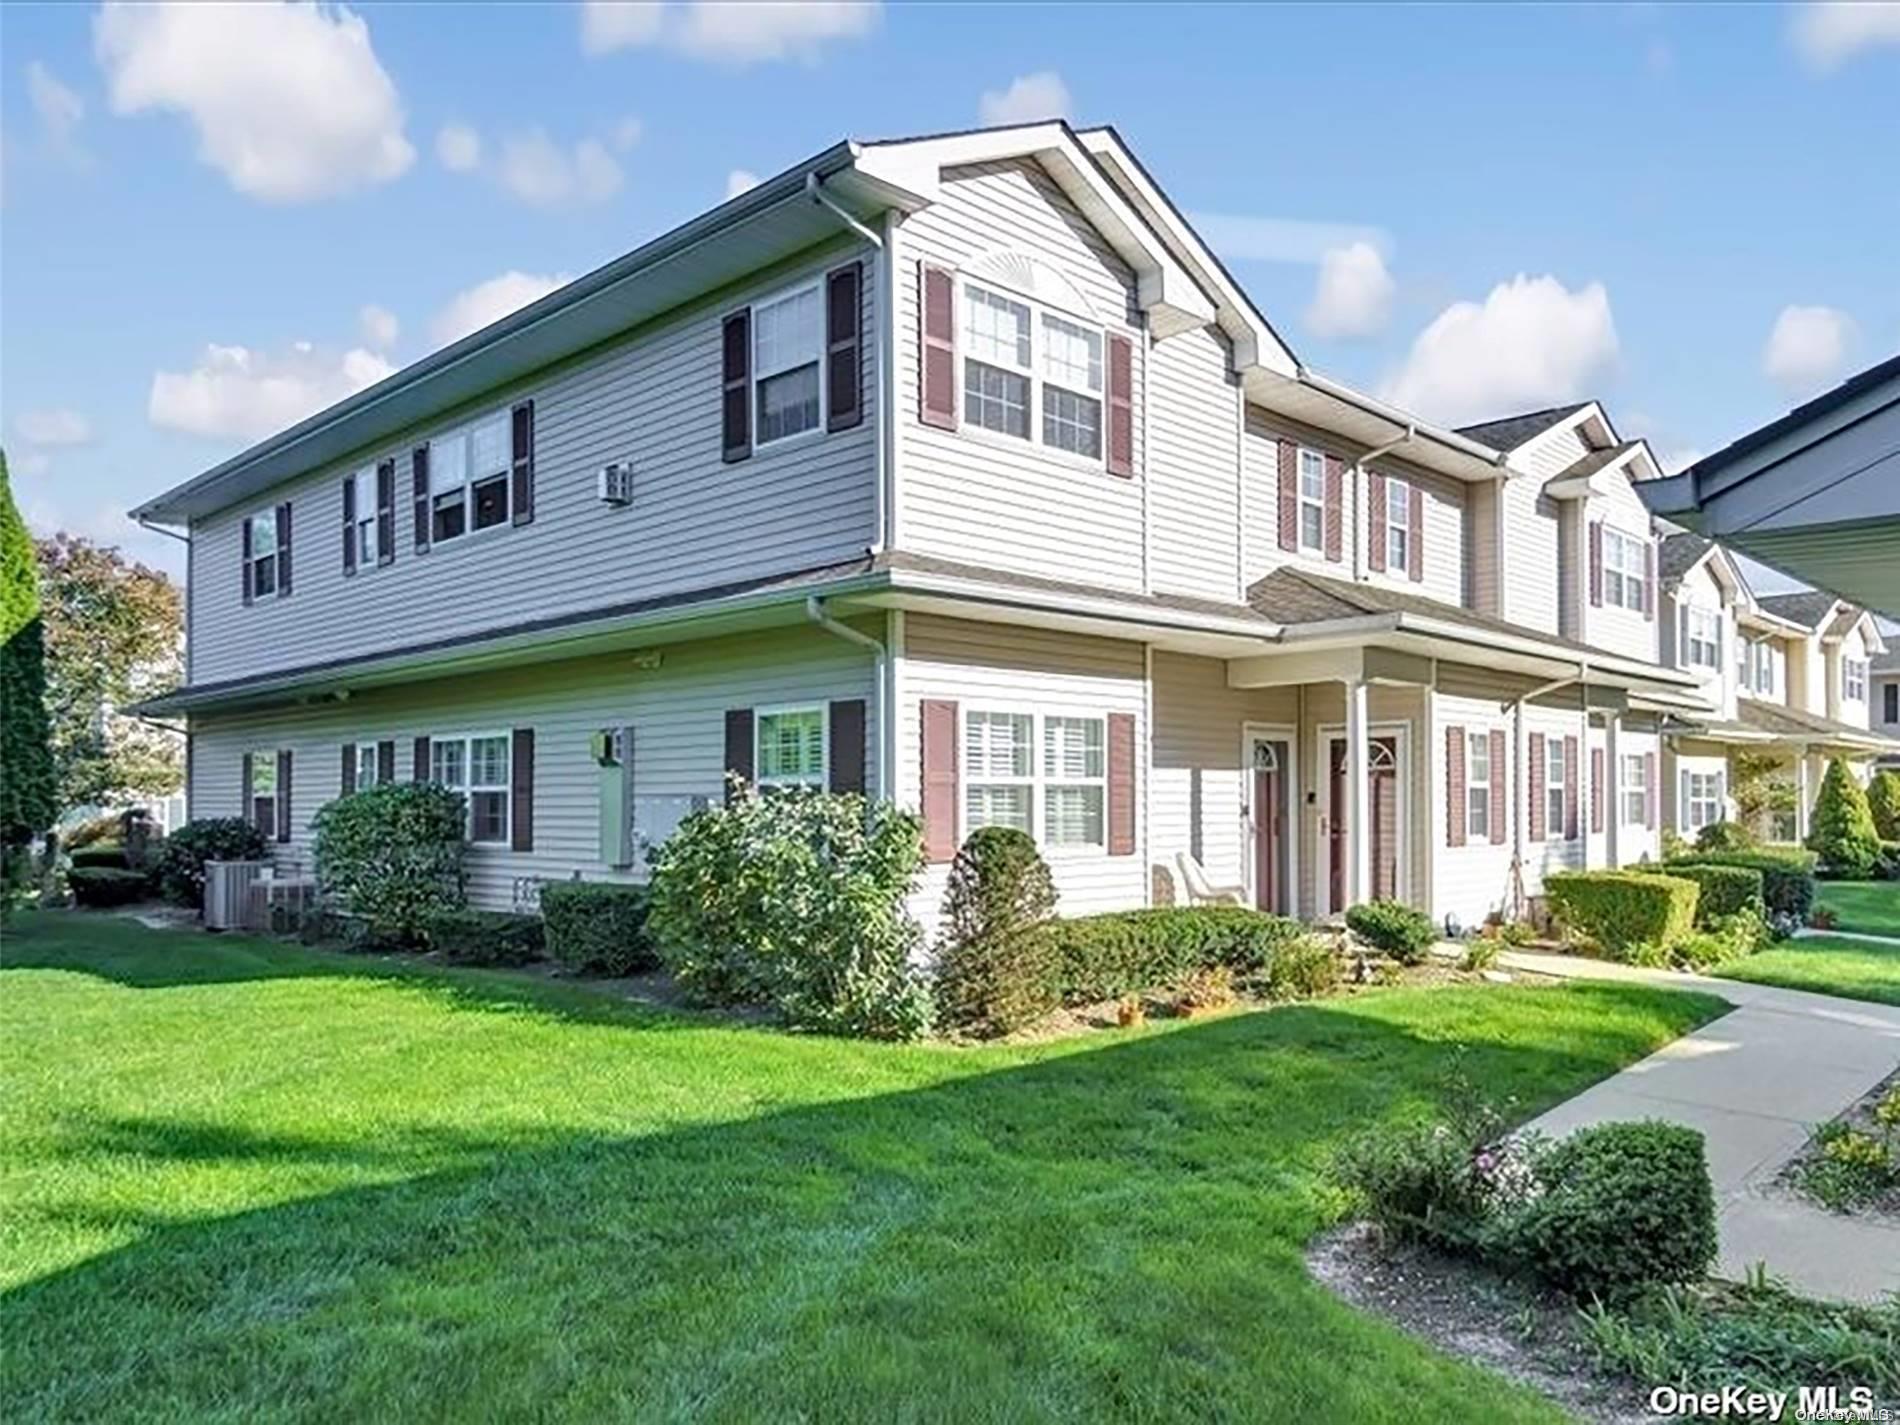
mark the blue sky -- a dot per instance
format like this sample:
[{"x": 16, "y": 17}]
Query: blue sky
[{"x": 1679, "y": 210}]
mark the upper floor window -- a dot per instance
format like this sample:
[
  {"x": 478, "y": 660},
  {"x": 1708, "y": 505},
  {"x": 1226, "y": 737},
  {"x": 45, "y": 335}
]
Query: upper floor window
[
  {"x": 1625, "y": 568},
  {"x": 1006, "y": 787},
  {"x": 1854, "y": 679},
  {"x": 791, "y": 747},
  {"x": 363, "y": 504},
  {"x": 262, "y": 542},
  {"x": 787, "y": 342},
  {"x": 1020, "y": 363},
  {"x": 1555, "y": 788},
  {"x": 468, "y": 478},
  {"x": 1399, "y": 533},
  {"x": 1072, "y": 387},
  {"x": 1701, "y": 638},
  {"x": 1478, "y": 786},
  {"x": 477, "y": 767},
  {"x": 1890, "y": 702},
  {"x": 1635, "y": 788},
  {"x": 1760, "y": 674},
  {"x": 1312, "y": 500}
]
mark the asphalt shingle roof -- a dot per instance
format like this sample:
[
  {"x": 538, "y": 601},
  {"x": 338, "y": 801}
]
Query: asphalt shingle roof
[
  {"x": 1791, "y": 723},
  {"x": 1507, "y": 433},
  {"x": 1806, "y": 607},
  {"x": 1680, "y": 553}
]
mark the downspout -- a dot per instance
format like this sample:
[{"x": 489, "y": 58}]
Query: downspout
[
  {"x": 1361, "y": 522},
  {"x": 882, "y": 502},
  {"x": 886, "y": 741}
]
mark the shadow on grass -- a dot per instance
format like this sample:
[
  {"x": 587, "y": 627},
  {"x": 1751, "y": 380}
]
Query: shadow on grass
[{"x": 1106, "y": 1233}]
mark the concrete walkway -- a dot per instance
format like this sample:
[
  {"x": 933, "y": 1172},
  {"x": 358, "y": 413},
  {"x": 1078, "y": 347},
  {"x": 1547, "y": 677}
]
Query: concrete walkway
[{"x": 1755, "y": 1082}]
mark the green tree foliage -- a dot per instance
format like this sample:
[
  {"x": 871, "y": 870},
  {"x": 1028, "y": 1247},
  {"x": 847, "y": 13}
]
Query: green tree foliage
[
  {"x": 1763, "y": 789},
  {"x": 394, "y": 854},
  {"x": 1841, "y": 831},
  {"x": 114, "y": 635},
  {"x": 26, "y": 766},
  {"x": 1883, "y": 800}
]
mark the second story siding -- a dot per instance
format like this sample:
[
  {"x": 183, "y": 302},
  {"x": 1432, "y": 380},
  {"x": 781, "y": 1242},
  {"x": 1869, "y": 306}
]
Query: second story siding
[
  {"x": 1695, "y": 610},
  {"x": 1532, "y": 560},
  {"x": 1607, "y": 624}
]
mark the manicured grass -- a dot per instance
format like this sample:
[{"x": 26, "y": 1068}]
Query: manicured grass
[
  {"x": 1825, "y": 964},
  {"x": 1864, "y": 907},
  {"x": 242, "y": 1180}
]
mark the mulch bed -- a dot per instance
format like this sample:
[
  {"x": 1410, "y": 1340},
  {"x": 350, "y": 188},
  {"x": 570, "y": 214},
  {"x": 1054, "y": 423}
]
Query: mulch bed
[{"x": 1886, "y": 1207}]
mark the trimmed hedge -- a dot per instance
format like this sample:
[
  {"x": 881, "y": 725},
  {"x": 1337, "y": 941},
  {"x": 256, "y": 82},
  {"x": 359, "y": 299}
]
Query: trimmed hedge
[
  {"x": 1726, "y": 890},
  {"x": 1787, "y": 875},
  {"x": 599, "y": 926},
  {"x": 98, "y": 886},
  {"x": 1622, "y": 909},
  {"x": 1400, "y": 931},
  {"x": 1127, "y": 952},
  {"x": 102, "y": 853},
  {"x": 485, "y": 937}
]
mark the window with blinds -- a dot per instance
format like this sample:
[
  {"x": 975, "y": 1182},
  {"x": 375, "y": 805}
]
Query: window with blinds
[{"x": 790, "y": 749}]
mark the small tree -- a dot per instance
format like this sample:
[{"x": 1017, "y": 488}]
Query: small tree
[
  {"x": 394, "y": 854},
  {"x": 1883, "y": 800},
  {"x": 996, "y": 969},
  {"x": 1762, "y": 788},
  {"x": 26, "y": 765},
  {"x": 1841, "y": 831}
]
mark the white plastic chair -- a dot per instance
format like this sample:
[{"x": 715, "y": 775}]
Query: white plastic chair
[{"x": 1200, "y": 890}]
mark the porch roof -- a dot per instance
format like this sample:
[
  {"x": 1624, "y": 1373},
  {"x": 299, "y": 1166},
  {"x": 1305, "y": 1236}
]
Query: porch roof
[{"x": 1786, "y": 724}]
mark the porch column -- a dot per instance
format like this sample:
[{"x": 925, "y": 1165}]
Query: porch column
[
  {"x": 1803, "y": 795},
  {"x": 1358, "y": 827},
  {"x": 1613, "y": 791}
]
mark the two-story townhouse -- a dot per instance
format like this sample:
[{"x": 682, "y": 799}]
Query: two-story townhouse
[
  {"x": 1884, "y": 701},
  {"x": 959, "y": 472}
]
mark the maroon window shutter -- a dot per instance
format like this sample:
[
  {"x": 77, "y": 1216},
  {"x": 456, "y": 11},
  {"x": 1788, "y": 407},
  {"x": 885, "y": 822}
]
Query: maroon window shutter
[
  {"x": 738, "y": 746},
  {"x": 419, "y": 768},
  {"x": 1596, "y": 789},
  {"x": 385, "y": 762},
  {"x": 1570, "y": 788},
  {"x": 1121, "y": 405},
  {"x": 521, "y": 791},
  {"x": 735, "y": 388},
  {"x": 1375, "y": 522},
  {"x": 844, "y": 347},
  {"x": 386, "y": 512},
  {"x": 283, "y": 549},
  {"x": 419, "y": 488},
  {"x": 521, "y": 464},
  {"x": 1454, "y": 786},
  {"x": 937, "y": 348},
  {"x": 1335, "y": 508},
  {"x": 349, "y": 524},
  {"x": 1596, "y": 564},
  {"x": 245, "y": 525},
  {"x": 1649, "y": 581},
  {"x": 1289, "y": 473},
  {"x": 1649, "y": 780},
  {"x": 283, "y": 795},
  {"x": 249, "y": 801},
  {"x": 1415, "y": 546},
  {"x": 1538, "y": 773},
  {"x": 1500, "y": 788},
  {"x": 940, "y": 788},
  {"x": 847, "y": 746},
  {"x": 1121, "y": 784},
  {"x": 349, "y": 768}
]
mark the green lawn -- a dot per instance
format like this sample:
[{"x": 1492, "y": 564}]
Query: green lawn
[
  {"x": 1826, "y": 964},
  {"x": 1864, "y": 907},
  {"x": 242, "y": 1180}
]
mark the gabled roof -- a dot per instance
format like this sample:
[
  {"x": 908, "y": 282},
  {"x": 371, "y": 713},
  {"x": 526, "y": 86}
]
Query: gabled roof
[
  {"x": 1507, "y": 433},
  {"x": 1808, "y": 607},
  {"x": 1888, "y": 662},
  {"x": 1680, "y": 554}
]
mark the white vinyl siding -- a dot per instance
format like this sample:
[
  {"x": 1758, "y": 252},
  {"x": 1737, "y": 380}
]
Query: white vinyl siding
[{"x": 1193, "y": 457}]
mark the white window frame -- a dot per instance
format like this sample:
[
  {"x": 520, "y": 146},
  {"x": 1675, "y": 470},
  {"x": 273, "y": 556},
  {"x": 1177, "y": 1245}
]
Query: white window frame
[
  {"x": 263, "y": 766},
  {"x": 1761, "y": 680},
  {"x": 757, "y": 375},
  {"x": 1633, "y": 790},
  {"x": 1040, "y": 778},
  {"x": 468, "y": 787},
  {"x": 366, "y": 763},
  {"x": 1035, "y": 373},
  {"x": 1853, "y": 672},
  {"x": 1706, "y": 797},
  {"x": 1049, "y": 781},
  {"x": 464, "y": 492},
  {"x": 1303, "y": 501},
  {"x": 1623, "y": 587},
  {"x": 363, "y": 528},
  {"x": 1478, "y": 808},
  {"x": 262, "y": 522},
  {"x": 1399, "y": 533},
  {"x": 822, "y": 777},
  {"x": 1556, "y": 794},
  {"x": 1702, "y": 629},
  {"x": 972, "y": 779}
]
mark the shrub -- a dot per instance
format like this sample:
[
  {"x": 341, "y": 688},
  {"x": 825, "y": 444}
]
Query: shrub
[
  {"x": 796, "y": 899},
  {"x": 599, "y": 927},
  {"x": 393, "y": 854},
  {"x": 1787, "y": 876},
  {"x": 1622, "y": 1206},
  {"x": 97, "y": 886},
  {"x": 1303, "y": 967},
  {"x": 1726, "y": 890},
  {"x": 484, "y": 937},
  {"x": 101, "y": 853},
  {"x": 996, "y": 966},
  {"x": 1481, "y": 952},
  {"x": 1841, "y": 830},
  {"x": 1618, "y": 910},
  {"x": 1851, "y": 1169},
  {"x": 1883, "y": 802},
  {"x": 1209, "y": 987},
  {"x": 181, "y": 865},
  {"x": 1415, "y": 1180},
  {"x": 94, "y": 829},
  {"x": 1405, "y": 934},
  {"x": 1107, "y": 956},
  {"x": 1725, "y": 836}
]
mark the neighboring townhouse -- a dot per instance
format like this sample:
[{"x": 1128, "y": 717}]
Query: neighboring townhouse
[
  {"x": 1884, "y": 692},
  {"x": 957, "y": 471}
]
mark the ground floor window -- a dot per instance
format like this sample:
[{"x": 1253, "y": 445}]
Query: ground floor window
[
  {"x": 477, "y": 767},
  {"x": 791, "y": 747},
  {"x": 1633, "y": 780},
  {"x": 260, "y": 797},
  {"x": 1701, "y": 799},
  {"x": 1060, "y": 797},
  {"x": 365, "y": 766},
  {"x": 1478, "y": 786},
  {"x": 1555, "y": 784}
]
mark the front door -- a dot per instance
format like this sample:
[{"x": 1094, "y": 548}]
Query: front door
[
  {"x": 1267, "y": 757},
  {"x": 1382, "y": 807}
]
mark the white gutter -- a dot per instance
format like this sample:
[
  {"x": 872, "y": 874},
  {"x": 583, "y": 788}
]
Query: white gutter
[
  {"x": 1449, "y": 438},
  {"x": 886, "y": 740},
  {"x": 887, "y": 287}
]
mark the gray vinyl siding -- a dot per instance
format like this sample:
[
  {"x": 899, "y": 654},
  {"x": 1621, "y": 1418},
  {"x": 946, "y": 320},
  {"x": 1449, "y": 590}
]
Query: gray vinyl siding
[
  {"x": 1194, "y": 496},
  {"x": 677, "y": 712},
  {"x": 989, "y": 499},
  {"x": 1483, "y": 581},
  {"x": 695, "y": 521}
]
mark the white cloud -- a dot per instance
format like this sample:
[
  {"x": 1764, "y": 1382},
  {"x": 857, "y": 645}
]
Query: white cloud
[
  {"x": 625, "y": 134},
  {"x": 235, "y": 391},
  {"x": 378, "y": 327},
  {"x": 53, "y": 425},
  {"x": 1532, "y": 342},
  {"x": 1030, "y": 97},
  {"x": 290, "y": 101},
  {"x": 1354, "y": 294},
  {"x": 1807, "y": 348},
  {"x": 543, "y": 174},
  {"x": 735, "y": 32},
  {"x": 1240, "y": 237},
  {"x": 1831, "y": 32},
  {"x": 31, "y": 462},
  {"x": 59, "y": 108},
  {"x": 490, "y": 301},
  {"x": 458, "y": 148},
  {"x": 740, "y": 180}
]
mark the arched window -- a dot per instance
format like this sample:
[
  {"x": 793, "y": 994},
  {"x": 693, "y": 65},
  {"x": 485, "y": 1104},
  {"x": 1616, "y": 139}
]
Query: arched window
[
  {"x": 1266, "y": 758},
  {"x": 1382, "y": 757}
]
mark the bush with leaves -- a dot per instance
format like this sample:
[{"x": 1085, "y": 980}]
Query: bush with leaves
[
  {"x": 1883, "y": 801},
  {"x": 181, "y": 863},
  {"x": 1726, "y": 890},
  {"x": 599, "y": 926},
  {"x": 1407, "y": 935},
  {"x": 484, "y": 937},
  {"x": 1787, "y": 876},
  {"x": 795, "y": 898},
  {"x": 394, "y": 855},
  {"x": 1130, "y": 951},
  {"x": 102, "y": 886},
  {"x": 1841, "y": 830},
  {"x": 1301, "y": 966},
  {"x": 1726, "y": 836},
  {"x": 1620, "y": 911},
  {"x": 996, "y": 965}
]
